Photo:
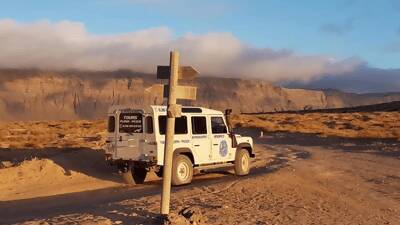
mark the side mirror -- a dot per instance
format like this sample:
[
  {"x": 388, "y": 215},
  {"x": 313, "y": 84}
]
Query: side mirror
[{"x": 228, "y": 121}]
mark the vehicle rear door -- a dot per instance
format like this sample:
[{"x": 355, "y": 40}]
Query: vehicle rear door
[
  {"x": 111, "y": 140},
  {"x": 201, "y": 143},
  {"x": 130, "y": 132},
  {"x": 149, "y": 142}
]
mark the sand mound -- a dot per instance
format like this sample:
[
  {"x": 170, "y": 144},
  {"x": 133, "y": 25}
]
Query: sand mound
[
  {"x": 32, "y": 170},
  {"x": 47, "y": 178}
]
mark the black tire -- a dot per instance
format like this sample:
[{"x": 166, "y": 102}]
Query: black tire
[
  {"x": 159, "y": 172},
  {"x": 182, "y": 170},
  {"x": 242, "y": 162},
  {"x": 139, "y": 174}
]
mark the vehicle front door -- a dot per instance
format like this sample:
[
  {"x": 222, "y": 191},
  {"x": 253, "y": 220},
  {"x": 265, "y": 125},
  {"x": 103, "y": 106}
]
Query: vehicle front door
[{"x": 221, "y": 143}]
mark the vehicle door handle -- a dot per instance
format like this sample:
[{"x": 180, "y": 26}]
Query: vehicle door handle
[
  {"x": 196, "y": 145},
  {"x": 215, "y": 144}
]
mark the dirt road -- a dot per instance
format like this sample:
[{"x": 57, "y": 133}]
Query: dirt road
[{"x": 296, "y": 179}]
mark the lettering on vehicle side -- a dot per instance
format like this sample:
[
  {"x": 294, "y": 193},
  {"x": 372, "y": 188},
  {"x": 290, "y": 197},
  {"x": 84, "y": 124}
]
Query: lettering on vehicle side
[
  {"x": 219, "y": 136},
  {"x": 175, "y": 141},
  {"x": 199, "y": 136}
]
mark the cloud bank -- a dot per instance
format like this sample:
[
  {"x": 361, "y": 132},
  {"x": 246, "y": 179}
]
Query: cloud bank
[
  {"x": 362, "y": 80},
  {"x": 68, "y": 45}
]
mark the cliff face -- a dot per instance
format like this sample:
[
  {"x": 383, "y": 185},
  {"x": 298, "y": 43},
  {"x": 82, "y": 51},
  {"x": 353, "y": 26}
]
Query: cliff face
[{"x": 57, "y": 96}]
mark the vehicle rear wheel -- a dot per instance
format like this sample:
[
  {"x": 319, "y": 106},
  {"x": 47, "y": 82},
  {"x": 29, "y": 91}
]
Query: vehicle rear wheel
[
  {"x": 242, "y": 162},
  {"x": 182, "y": 170},
  {"x": 159, "y": 172},
  {"x": 139, "y": 174}
]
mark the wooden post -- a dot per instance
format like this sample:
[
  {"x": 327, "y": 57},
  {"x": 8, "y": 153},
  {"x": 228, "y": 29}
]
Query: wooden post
[{"x": 169, "y": 134}]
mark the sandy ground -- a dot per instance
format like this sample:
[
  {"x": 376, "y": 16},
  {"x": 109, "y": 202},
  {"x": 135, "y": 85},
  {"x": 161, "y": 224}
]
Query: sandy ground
[
  {"x": 295, "y": 179},
  {"x": 353, "y": 125}
]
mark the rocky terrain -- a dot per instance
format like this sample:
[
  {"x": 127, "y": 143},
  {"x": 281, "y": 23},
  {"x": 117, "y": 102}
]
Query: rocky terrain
[
  {"x": 47, "y": 95},
  {"x": 348, "y": 125}
]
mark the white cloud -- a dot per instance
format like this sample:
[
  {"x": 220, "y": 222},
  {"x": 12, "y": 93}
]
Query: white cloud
[{"x": 66, "y": 45}]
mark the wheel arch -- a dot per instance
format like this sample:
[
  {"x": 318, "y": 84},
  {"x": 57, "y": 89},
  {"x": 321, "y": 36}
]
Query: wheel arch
[
  {"x": 185, "y": 151},
  {"x": 248, "y": 147}
]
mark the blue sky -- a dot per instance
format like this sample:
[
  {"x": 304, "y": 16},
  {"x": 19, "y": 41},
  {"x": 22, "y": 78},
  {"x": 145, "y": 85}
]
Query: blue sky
[{"x": 366, "y": 29}]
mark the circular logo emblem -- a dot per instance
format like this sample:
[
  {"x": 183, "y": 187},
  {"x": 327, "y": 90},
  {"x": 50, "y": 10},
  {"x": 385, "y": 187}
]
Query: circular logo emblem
[{"x": 223, "y": 148}]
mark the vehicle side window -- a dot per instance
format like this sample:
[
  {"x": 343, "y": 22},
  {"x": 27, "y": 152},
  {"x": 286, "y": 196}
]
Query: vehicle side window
[
  {"x": 111, "y": 124},
  {"x": 180, "y": 124},
  {"x": 218, "y": 125},
  {"x": 199, "y": 125},
  {"x": 149, "y": 125}
]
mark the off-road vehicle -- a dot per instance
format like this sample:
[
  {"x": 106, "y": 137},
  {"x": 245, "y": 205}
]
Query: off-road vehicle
[{"x": 202, "y": 141}]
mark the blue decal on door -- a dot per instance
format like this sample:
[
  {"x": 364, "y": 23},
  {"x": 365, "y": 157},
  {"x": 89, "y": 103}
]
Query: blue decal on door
[{"x": 223, "y": 148}]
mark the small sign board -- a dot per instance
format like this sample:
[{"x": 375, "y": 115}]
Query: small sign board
[
  {"x": 130, "y": 122},
  {"x": 184, "y": 72}
]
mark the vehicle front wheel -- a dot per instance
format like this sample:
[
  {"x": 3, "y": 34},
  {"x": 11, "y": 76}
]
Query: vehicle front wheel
[
  {"x": 182, "y": 170},
  {"x": 242, "y": 162}
]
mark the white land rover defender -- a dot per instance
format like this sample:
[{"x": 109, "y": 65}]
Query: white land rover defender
[{"x": 202, "y": 141}]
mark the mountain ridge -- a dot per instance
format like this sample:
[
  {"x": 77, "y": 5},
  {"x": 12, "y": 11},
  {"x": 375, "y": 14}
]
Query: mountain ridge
[{"x": 66, "y": 95}]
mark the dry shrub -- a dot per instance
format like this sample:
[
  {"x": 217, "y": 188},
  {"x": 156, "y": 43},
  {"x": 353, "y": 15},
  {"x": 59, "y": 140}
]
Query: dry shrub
[{"x": 58, "y": 134}]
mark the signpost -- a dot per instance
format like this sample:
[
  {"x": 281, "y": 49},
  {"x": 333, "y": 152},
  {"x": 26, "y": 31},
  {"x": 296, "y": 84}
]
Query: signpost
[{"x": 173, "y": 92}]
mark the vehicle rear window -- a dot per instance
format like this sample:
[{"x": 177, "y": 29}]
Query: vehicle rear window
[
  {"x": 149, "y": 125},
  {"x": 199, "y": 125},
  {"x": 180, "y": 124},
  {"x": 130, "y": 123},
  {"x": 218, "y": 126},
  {"x": 111, "y": 124}
]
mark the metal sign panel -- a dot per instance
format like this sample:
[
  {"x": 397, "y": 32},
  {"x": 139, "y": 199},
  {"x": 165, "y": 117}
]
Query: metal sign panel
[{"x": 184, "y": 72}]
